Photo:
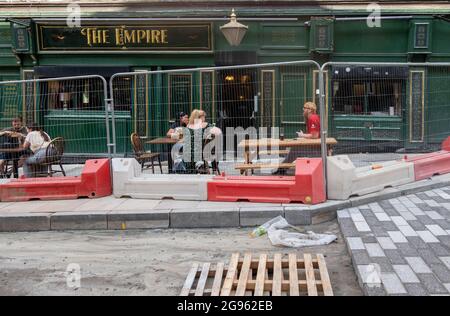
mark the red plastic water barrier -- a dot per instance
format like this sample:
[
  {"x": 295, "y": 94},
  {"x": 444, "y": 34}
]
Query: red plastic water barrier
[
  {"x": 95, "y": 181},
  {"x": 307, "y": 186},
  {"x": 446, "y": 144},
  {"x": 428, "y": 165}
]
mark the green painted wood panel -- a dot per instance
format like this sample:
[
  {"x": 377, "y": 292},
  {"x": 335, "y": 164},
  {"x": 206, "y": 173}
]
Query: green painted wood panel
[{"x": 293, "y": 96}]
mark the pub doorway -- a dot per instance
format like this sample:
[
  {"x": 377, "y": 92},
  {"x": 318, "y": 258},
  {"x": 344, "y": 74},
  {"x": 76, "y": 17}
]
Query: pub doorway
[{"x": 238, "y": 89}]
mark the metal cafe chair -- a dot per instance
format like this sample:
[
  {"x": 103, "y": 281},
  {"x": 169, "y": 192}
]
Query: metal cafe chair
[
  {"x": 145, "y": 158},
  {"x": 53, "y": 156}
]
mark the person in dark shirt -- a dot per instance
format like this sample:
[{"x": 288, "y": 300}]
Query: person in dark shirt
[
  {"x": 183, "y": 120},
  {"x": 12, "y": 137}
]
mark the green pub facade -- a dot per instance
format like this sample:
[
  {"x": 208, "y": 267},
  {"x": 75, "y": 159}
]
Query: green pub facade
[{"x": 408, "y": 106}]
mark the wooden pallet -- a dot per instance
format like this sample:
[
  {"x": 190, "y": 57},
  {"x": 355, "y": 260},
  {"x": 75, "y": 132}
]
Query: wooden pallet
[{"x": 261, "y": 276}]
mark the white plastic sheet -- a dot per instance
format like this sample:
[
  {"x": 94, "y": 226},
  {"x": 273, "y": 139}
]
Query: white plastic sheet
[{"x": 278, "y": 236}]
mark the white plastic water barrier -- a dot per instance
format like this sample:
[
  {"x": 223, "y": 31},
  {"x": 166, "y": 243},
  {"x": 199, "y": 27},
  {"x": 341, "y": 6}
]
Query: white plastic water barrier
[
  {"x": 345, "y": 180},
  {"x": 129, "y": 181}
]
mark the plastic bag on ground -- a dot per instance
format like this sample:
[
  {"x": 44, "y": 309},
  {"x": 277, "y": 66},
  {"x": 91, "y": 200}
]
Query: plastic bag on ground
[{"x": 280, "y": 237}]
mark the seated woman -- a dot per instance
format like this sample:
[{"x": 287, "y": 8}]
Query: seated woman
[
  {"x": 37, "y": 142},
  {"x": 195, "y": 134}
]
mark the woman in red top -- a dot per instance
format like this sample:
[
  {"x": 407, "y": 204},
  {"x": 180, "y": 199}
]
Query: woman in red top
[{"x": 312, "y": 121}]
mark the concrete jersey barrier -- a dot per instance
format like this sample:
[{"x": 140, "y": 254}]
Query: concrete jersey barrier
[
  {"x": 129, "y": 181},
  {"x": 345, "y": 180}
]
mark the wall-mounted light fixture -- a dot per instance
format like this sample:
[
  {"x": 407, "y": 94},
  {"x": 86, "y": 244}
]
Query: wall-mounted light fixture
[{"x": 234, "y": 31}]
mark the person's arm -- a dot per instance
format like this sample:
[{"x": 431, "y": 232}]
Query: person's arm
[
  {"x": 26, "y": 145},
  {"x": 170, "y": 132},
  {"x": 216, "y": 131},
  {"x": 313, "y": 135}
]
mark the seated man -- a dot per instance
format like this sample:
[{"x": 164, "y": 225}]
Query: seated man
[
  {"x": 183, "y": 120},
  {"x": 14, "y": 136},
  {"x": 312, "y": 121},
  {"x": 312, "y": 131}
]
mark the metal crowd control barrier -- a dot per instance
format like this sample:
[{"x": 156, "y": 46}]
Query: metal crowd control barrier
[
  {"x": 67, "y": 108},
  {"x": 258, "y": 100}
]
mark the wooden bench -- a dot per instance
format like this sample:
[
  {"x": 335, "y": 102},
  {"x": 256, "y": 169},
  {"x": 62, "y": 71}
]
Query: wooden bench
[
  {"x": 274, "y": 152},
  {"x": 252, "y": 166}
]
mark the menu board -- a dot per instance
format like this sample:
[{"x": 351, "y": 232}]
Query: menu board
[{"x": 416, "y": 106}]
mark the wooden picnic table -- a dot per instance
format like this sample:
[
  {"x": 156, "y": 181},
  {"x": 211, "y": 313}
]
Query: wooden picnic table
[
  {"x": 269, "y": 143},
  {"x": 167, "y": 142}
]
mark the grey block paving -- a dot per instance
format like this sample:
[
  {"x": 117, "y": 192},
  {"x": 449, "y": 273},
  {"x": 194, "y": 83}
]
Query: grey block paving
[
  {"x": 418, "y": 265},
  {"x": 374, "y": 250},
  {"x": 446, "y": 261},
  {"x": 384, "y": 264},
  {"x": 355, "y": 243},
  {"x": 439, "y": 250},
  {"x": 395, "y": 257},
  {"x": 360, "y": 257},
  {"x": 432, "y": 284},
  {"x": 417, "y": 225},
  {"x": 391, "y": 212},
  {"x": 388, "y": 226},
  {"x": 429, "y": 256},
  {"x": 407, "y": 250},
  {"x": 407, "y": 239},
  {"x": 369, "y": 239},
  {"x": 386, "y": 243},
  {"x": 397, "y": 237},
  {"x": 416, "y": 289},
  {"x": 427, "y": 236},
  {"x": 393, "y": 284},
  {"x": 441, "y": 271},
  {"x": 406, "y": 274}
]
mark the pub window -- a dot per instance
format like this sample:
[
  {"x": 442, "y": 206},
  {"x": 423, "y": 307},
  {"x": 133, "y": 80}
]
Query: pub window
[
  {"x": 80, "y": 94},
  {"x": 368, "y": 91},
  {"x": 122, "y": 90}
]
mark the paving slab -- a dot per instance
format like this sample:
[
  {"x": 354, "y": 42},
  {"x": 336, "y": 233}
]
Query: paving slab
[
  {"x": 99, "y": 205},
  {"x": 136, "y": 205},
  {"x": 177, "y": 205}
]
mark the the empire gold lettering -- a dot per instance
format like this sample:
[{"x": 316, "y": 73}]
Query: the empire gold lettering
[
  {"x": 95, "y": 36},
  {"x": 125, "y": 37}
]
